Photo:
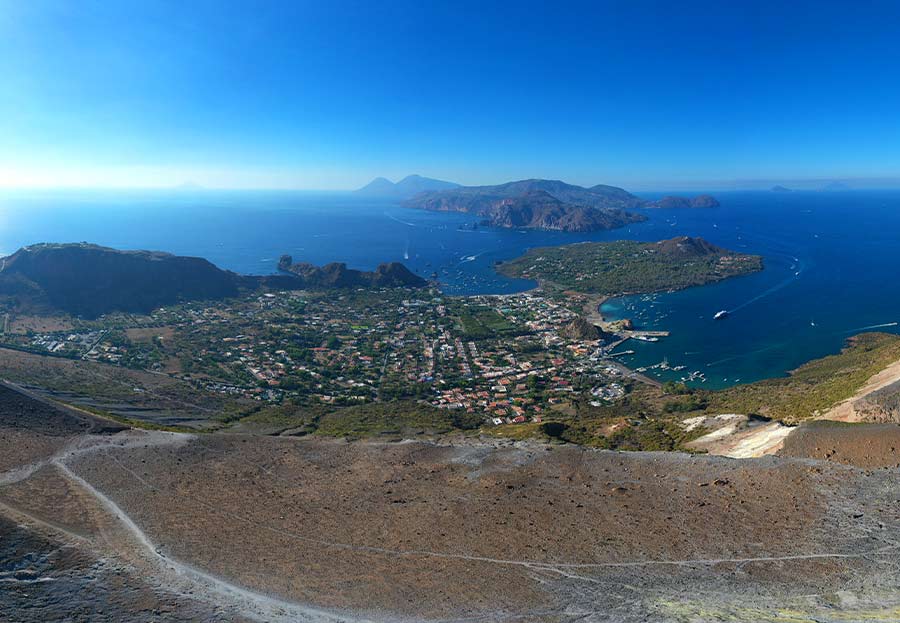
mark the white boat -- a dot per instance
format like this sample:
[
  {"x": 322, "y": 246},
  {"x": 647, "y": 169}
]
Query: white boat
[{"x": 720, "y": 315}]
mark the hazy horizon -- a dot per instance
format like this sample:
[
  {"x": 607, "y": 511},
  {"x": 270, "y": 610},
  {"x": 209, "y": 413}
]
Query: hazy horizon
[{"x": 309, "y": 97}]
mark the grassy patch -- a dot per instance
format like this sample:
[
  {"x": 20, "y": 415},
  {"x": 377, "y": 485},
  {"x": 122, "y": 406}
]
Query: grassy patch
[
  {"x": 485, "y": 323},
  {"x": 400, "y": 417}
]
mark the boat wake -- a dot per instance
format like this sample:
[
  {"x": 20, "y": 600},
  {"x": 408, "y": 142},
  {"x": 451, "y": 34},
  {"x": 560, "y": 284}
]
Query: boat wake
[
  {"x": 874, "y": 326},
  {"x": 394, "y": 218},
  {"x": 797, "y": 269},
  {"x": 470, "y": 258}
]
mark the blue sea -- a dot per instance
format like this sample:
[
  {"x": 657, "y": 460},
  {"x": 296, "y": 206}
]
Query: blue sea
[{"x": 831, "y": 259}]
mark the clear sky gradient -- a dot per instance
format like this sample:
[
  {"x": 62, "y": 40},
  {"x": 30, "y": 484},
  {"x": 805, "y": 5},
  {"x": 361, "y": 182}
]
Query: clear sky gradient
[{"x": 322, "y": 95}]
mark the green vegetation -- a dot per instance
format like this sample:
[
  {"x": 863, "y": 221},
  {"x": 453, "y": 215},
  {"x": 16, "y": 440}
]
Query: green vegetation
[
  {"x": 626, "y": 267},
  {"x": 814, "y": 387},
  {"x": 636, "y": 423},
  {"x": 485, "y": 323},
  {"x": 402, "y": 417}
]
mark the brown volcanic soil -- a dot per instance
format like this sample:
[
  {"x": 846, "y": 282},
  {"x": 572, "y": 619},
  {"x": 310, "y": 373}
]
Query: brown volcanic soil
[
  {"x": 45, "y": 579},
  {"x": 419, "y": 531},
  {"x": 863, "y": 445},
  {"x": 59, "y": 560},
  {"x": 416, "y": 531},
  {"x": 31, "y": 429}
]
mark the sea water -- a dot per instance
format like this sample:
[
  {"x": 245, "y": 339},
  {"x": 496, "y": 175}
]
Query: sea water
[{"x": 831, "y": 259}]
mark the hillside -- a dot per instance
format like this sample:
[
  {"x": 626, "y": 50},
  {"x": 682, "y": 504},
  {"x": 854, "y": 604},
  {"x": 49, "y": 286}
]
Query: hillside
[
  {"x": 407, "y": 187},
  {"x": 612, "y": 268},
  {"x": 337, "y": 275},
  {"x": 88, "y": 280}
]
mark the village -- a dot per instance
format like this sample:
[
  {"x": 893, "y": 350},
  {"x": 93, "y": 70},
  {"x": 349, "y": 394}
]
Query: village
[{"x": 510, "y": 358}]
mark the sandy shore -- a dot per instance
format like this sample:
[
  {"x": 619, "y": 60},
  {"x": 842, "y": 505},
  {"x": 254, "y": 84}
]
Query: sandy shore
[{"x": 592, "y": 309}]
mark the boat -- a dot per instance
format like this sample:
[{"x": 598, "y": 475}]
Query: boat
[{"x": 720, "y": 315}]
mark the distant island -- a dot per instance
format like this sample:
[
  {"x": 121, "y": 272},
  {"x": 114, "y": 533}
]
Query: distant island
[
  {"x": 337, "y": 275},
  {"x": 627, "y": 267},
  {"x": 409, "y": 186},
  {"x": 700, "y": 201},
  {"x": 780, "y": 189},
  {"x": 89, "y": 281},
  {"x": 549, "y": 205}
]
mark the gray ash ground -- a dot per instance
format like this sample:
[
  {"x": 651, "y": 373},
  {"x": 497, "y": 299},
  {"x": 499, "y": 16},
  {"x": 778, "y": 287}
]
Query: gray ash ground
[{"x": 43, "y": 579}]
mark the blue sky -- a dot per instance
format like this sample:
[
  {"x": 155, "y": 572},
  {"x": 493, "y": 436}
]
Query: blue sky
[{"x": 325, "y": 95}]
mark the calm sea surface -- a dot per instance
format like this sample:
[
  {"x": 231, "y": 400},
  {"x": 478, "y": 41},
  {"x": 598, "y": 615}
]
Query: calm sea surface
[{"x": 832, "y": 259}]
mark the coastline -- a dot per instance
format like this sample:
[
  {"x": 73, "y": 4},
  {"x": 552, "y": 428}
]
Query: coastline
[{"x": 592, "y": 306}]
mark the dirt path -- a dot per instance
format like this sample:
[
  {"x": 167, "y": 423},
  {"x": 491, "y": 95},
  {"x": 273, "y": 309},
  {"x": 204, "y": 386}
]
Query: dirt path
[
  {"x": 186, "y": 579},
  {"x": 252, "y": 604}
]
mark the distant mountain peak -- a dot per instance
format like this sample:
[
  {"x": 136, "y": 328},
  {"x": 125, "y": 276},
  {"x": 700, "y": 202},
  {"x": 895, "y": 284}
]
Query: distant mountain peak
[{"x": 409, "y": 186}]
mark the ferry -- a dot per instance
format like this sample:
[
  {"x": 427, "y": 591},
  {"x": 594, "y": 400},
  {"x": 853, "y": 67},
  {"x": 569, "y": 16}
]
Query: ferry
[{"x": 720, "y": 315}]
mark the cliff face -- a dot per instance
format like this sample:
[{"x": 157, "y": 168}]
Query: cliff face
[
  {"x": 540, "y": 210},
  {"x": 337, "y": 275},
  {"x": 88, "y": 280}
]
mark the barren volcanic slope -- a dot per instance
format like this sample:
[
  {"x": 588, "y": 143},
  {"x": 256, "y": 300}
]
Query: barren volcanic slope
[{"x": 281, "y": 529}]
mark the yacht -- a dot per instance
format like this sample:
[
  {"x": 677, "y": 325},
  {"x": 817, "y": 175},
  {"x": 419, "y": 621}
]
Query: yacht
[{"x": 720, "y": 315}]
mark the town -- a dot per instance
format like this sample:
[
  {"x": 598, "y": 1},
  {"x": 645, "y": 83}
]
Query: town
[{"x": 509, "y": 358}]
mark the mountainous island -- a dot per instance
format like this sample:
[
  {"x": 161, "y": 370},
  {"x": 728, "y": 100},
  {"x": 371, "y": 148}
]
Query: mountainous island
[
  {"x": 407, "y": 187},
  {"x": 549, "y": 205},
  {"x": 337, "y": 275},
  {"x": 88, "y": 280},
  {"x": 778, "y": 188},
  {"x": 627, "y": 267}
]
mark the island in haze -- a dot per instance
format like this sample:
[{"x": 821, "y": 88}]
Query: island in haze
[
  {"x": 778, "y": 188},
  {"x": 549, "y": 205},
  {"x": 407, "y": 187},
  {"x": 89, "y": 280}
]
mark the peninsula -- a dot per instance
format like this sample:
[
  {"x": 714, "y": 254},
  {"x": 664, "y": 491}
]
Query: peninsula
[{"x": 627, "y": 267}]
